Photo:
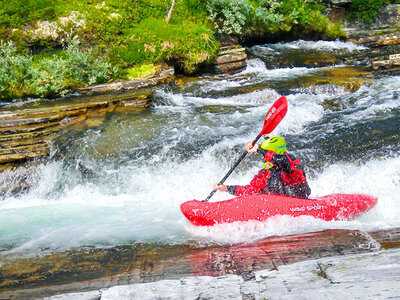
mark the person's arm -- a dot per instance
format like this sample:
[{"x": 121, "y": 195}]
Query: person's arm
[
  {"x": 231, "y": 189},
  {"x": 257, "y": 184},
  {"x": 239, "y": 190}
]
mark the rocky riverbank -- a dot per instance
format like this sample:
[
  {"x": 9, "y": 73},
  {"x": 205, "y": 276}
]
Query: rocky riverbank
[
  {"x": 260, "y": 269},
  {"x": 28, "y": 133},
  {"x": 360, "y": 276}
]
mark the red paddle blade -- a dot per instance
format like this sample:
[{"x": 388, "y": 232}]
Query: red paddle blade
[{"x": 274, "y": 115}]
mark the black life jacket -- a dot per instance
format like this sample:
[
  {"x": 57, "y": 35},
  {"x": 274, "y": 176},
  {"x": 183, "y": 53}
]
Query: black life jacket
[{"x": 296, "y": 174}]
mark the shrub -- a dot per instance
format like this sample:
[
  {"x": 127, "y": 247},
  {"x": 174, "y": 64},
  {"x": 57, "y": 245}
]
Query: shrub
[
  {"x": 21, "y": 76},
  {"x": 229, "y": 16},
  {"x": 14, "y": 70},
  {"x": 247, "y": 18},
  {"x": 83, "y": 67}
]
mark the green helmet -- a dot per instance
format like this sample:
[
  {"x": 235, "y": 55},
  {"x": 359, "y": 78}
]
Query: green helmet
[{"x": 274, "y": 143}]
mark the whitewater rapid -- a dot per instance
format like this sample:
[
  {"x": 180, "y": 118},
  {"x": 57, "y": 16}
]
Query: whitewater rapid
[{"x": 123, "y": 182}]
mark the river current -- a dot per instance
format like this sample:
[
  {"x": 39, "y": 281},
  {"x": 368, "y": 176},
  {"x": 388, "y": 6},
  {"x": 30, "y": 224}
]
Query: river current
[{"x": 123, "y": 181}]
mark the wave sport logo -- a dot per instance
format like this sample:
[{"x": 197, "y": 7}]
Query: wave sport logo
[
  {"x": 269, "y": 115},
  {"x": 304, "y": 208}
]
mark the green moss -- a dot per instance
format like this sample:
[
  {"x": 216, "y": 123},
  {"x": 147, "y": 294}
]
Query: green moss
[
  {"x": 142, "y": 71},
  {"x": 153, "y": 41}
]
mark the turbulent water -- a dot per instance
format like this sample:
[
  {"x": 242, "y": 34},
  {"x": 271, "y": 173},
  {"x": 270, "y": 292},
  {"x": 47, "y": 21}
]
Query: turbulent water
[{"x": 123, "y": 182}]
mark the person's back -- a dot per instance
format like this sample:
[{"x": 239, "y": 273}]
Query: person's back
[
  {"x": 287, "y": 177},
  {"x": 287, "y": 174}
]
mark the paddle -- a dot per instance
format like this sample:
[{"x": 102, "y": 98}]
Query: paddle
[{"x": 273, "y": 117}]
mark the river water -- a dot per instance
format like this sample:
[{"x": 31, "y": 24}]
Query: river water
[{"x": 123, "y": 181}]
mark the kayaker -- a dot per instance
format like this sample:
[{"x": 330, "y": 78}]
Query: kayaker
[{"x": 283, "y": 174}]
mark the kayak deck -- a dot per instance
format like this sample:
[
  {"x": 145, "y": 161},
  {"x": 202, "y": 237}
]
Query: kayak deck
[{"x": 260, "y": 207}]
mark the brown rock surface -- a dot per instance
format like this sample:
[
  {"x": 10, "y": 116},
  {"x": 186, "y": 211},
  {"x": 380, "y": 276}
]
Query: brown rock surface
[
  {"x": 230, "y": 59},
  {"x": 29, "y": 133},
  {"x": 88, "y": 269}
]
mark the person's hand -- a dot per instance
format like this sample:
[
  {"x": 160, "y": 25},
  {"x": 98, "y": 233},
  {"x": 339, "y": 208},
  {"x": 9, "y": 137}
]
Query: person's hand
[
  {"x": 250, "y": 148},
  {"x": 220, "y": 187}
]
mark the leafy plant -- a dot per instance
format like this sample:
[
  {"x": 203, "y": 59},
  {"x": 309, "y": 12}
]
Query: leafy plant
[
  {"x": 21, "y": 76},
  {"x": 247, "y": 18},
  {"x": 229, "y": 16},
  {"x": 14, "y": 70}
]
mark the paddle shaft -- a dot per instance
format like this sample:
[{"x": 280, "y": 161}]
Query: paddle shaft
[{"x": 233, "y": 168}]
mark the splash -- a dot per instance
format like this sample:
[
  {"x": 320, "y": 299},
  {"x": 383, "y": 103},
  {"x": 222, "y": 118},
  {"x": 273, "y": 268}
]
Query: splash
[{"x": 123, "y": 182}]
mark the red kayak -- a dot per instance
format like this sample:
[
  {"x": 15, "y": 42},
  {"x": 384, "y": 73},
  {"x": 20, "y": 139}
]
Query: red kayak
[{"x": 260, "y": 207}]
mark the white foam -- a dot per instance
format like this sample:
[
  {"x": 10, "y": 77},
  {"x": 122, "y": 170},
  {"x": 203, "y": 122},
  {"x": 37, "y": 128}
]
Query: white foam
[
  {"x": 176, "y": 153},
  {"x": 323, "y": 46}
]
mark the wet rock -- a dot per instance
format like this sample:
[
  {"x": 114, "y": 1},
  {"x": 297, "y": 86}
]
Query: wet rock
[
  {"x": 383, "y": 32},
  {"x": 376, "y": 40},
  {"x": 393, "y": 61},
  {"x": 362, "y": 276},
  {"x": 230, "y": 60},
  {"x": 330, "y": 80},
  {"x": 30, "y": 133},
  {"x": 350, "y": 78},
  {"x": 387, "y": 238},
  {"x": 89, "y": 269},
  {"x": 165, "y": 74},
  {"x": 17, "y": 180}
]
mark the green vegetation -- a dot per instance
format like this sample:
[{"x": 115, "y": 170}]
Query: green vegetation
[
  {"x": 51, "y": 46},
  {"x": 141, "y": 71},
  {"x": 21, "y": 75},
  {"x": 265, "y": 18},
  {"x": 366, "y": 10}
]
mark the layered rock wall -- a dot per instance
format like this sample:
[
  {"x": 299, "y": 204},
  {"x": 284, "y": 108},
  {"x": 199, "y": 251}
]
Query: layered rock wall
[
  {"x": 230, "y": 59},
  {"x": 29, "y": 133}
]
